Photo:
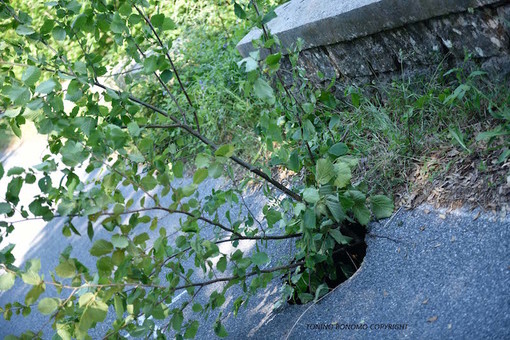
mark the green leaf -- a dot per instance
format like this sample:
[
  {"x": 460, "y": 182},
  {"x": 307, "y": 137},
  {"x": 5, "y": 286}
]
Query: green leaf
[
  {"x": 150, "y": 64},
  {"x": 191, "y": 331},
  {"x": 361, "y": 213},
  {"x": 382, "y": 206},
  {"x": 293, "y": 163},
  {"x": 74, "y": 91},
  {"x": 136, "y": 157},
  {"x": 177, "y": 320},
  {"x": 5, "y": 208},
  {"x": 309, "y": 219},
  {"x": 140, "y": 239},
  {"x": 273, "y": 59},
  {"x": 239, "y": 11},
  {"x": 133, "y": 129},
  {"x": 166, "y": 75},
  {"x": 31, "y": 278},
  {"x": 322, "y": 290},
  {"x": 337, "y": 235},
  {"x": 66, "y": 269},
  {"x": 90, "y": 231},
  {"x": 7, "y": 281},
  {"x": 31, "y": 76},
  {"x": 98, "y": 310},
  {"x": 73, "y": 153},
  {"x": 225, "y": 151},
  {"x": 220, "y": 330},
  {"x": 168, "y": 24},
  {"x": 222, "y": 264},
  {"x": 259, "y": 259},
  {"x": 17, "y": 95},
  {"x": 15, "y": 129},
  {"x": 359, "y": 208},
  {"x": 268, "y": 17},
  {"x": 118, "y": 25},
  {"x": 305, "y": 297},
  {"x": 311, "y": 195},
  {"x": 215, "y": 170},
  {"x": 11, "y": 113},
  {"x": 250, "y": 64},
  {"x": 58, "y": 33},
  {"x": 457, "y": 135},
  {"x": 492, "y": 133},
  {"x": 178, "y": 169},
  {"x": 34, "y": 294},
  {"x": 157, "y": 20},
  {"x": 125, "y": 9},
  {"x": 200, "y": 175},
  {"x": 46, "y": 86},
  {"x": 263, "y": 91},
  {"x": 116, "y": 136},
  {"x": 202, "y": 160},
  {"x": 85, "y": 299},
  {"x": 325, "y": 171},
  {"x": 336, "y": 210},
  {"x": 339, "y": 149},
  {"x": 189, "y": 190},
  {"x": 24, "y": 30},
  {"x": 343, "y": 175},
  {"x": 94, "y": 312},
  {"x": 48, "y": 305},
  {"x": 101, "y": 247},
  {"x": 351, "y": 161},
  {"x": 148, "y": 182},
  {"x": 120, "y": 241},
  {"x": 13, "y": 190},
  {"x": 119, "y": 307}
]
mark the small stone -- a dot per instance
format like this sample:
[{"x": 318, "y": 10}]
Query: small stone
[
  {"x": 442, "y": 216},
  {"x": 432, "y": 319}
]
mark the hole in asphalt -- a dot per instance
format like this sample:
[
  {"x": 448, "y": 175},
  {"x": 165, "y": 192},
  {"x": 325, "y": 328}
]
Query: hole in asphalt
[{"x": 346, "y": 260}]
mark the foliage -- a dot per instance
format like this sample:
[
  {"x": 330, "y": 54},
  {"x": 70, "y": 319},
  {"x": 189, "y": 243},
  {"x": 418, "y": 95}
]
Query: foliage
[
  {"x": 408, "y": 121},
  {"x": 131, "y": 134}
]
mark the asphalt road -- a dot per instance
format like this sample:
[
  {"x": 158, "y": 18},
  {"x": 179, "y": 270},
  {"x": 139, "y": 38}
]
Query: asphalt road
[{"x": 427, "y": 274}]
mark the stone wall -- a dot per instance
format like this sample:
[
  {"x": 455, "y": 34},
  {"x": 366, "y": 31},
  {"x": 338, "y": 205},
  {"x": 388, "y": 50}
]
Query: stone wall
[{"x": 408, "y": 49}]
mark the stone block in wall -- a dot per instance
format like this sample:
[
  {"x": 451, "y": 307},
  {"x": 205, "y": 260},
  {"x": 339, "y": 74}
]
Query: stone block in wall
[{"x": 413, "y": 42}]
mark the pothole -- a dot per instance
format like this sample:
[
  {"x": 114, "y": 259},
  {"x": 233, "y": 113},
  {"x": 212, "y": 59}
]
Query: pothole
[{"x": 346, "y": 260}]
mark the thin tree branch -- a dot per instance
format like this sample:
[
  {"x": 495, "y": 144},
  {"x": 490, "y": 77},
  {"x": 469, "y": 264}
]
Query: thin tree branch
[
  {"x": 156, "y": 126},
  {"x": 181, "y": 287},
  {"x": 164, "y": 85},
  {"x": 171, "y": 63},
  {"x": 209, "y": 143},
  {"x": 289, "y": 94}
]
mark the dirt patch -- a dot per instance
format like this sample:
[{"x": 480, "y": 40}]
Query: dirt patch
[{"x": 450, "y": 178}]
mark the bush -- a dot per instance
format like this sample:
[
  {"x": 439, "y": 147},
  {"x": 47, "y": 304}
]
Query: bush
[{"x": 133, "y": 135}]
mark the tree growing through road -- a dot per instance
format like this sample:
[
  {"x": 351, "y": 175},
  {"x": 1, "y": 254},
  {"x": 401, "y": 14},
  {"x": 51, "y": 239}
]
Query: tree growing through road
[{"x": 64, "y": 56}]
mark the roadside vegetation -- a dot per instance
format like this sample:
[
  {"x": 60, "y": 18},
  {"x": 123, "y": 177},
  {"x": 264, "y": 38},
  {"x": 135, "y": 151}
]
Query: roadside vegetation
[{"x": 158, "y": 92}]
